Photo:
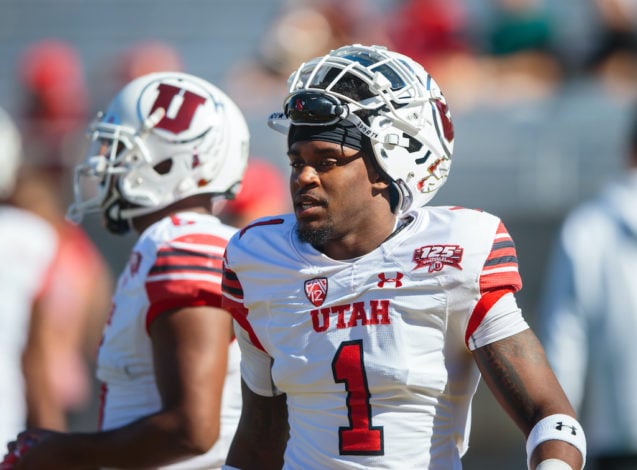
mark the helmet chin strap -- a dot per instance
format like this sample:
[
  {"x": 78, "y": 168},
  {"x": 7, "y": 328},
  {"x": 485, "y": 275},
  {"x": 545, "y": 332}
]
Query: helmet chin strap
[
  {"x": 112, "y": 211},
  {"x": 403, "y": 196},
  {"x": 114, "y": 221}
]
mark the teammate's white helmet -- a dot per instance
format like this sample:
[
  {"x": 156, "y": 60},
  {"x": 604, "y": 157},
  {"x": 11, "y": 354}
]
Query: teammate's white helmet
[
  {"x": 10, "y": 153},
  {"x": 166, "y": 136},
  {"x": 403, "y": 112}
]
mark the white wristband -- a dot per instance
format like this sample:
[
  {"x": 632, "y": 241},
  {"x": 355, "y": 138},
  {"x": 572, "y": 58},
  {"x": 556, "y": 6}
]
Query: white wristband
[
  {"x": 559, "y": 427},
  {"x": 553, "y": 464}
]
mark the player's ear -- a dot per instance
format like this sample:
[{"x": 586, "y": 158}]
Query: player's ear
[
  {"x": 378, "y": 180},
  {"x": 380, "y": 185},
  {"x": 375, "y": 176}
]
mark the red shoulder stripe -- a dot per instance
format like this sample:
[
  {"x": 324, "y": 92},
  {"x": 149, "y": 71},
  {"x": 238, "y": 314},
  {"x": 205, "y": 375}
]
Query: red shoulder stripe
[
  {"x": 240, "y": 314},
  {"x": 481, "y": 309},
  {"x": 259, "y": 224},
  {"x": 230, "y": 284},
  {"x": 500, "y": 269},
  {"x": 171, "y": 294},
  {"x": 202, "y": 239},
  {"x": 172, "y": 260}
]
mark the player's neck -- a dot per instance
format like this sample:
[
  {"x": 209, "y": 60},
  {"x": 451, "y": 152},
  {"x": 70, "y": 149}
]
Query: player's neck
[
  {"x": 196, "y": 203},
  {"x": 401, "y": 223},
  {"x": 358, "y": 243}
]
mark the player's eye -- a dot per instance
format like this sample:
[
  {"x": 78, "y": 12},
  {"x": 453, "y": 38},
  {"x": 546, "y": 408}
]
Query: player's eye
[{"x": 327, "y": 164}]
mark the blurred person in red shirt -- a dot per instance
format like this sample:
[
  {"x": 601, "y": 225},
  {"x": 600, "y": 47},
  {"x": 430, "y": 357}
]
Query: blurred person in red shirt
[
  {"x": 263, "y": 192},
  {"x": 52, "y": 114},
  {"x": 27, "y": 249}
]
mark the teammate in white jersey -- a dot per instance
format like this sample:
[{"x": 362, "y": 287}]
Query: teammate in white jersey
[
  {"x": 168, "y": 144},
  {"x": 588, "y": 314},
  {"x": 27, "y": 249},
  {"x": 365, "y": 320}
]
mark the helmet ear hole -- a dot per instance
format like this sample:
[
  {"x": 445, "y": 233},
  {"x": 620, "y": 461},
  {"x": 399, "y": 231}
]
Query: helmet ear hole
[
  {"x": 414, "y": 145},
  {"x": 164, "y": 167}
]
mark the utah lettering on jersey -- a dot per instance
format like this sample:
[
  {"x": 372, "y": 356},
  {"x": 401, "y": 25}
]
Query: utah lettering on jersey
[{"x": 351, "y": 315}]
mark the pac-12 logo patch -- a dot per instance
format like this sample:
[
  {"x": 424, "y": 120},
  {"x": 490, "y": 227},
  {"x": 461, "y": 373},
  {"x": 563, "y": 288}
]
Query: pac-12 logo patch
[
  {"x": 436, "y": 257},
  {"x": 316, "y": 290}
]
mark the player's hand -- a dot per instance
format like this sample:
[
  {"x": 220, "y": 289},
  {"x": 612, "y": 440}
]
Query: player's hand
[
  {"x": 10, "y": 458},
  {"x": 15, "y": 450},
  {"x": 26, "y": 451}
]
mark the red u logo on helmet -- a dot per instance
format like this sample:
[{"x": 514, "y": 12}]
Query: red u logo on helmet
[
  {"x": 180, "y": 121},
  {"x": 445, "y": 119}
]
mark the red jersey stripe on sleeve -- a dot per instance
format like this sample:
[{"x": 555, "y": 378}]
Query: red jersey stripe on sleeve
[
  {"x": 500, "y": 269},
  {"x": 186, "y": 273},
  {"x": 195, "y": 252},
  {"x": 240, "y": 315},
  {"x": 172, "y": 260},
  {"x": 481, "y": 309},
  {"x": 231, "y": 301},
  {"x": 260, "y": 223},
  {"x": 206, "y": 240},
  {"x": 230, "y": 284},
  {"x": 171, "y": 294}
]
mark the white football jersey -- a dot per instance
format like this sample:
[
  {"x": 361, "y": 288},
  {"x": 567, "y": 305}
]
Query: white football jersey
[
  {"x": 373, "y": 352},
  {"x": 27, "y": 248},
  {"x": 175, "y": 263}
]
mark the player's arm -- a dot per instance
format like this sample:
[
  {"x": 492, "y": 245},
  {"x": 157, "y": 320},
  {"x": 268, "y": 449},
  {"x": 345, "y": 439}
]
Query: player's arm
[
  {"x": 262, "y": 433},
  {"x": 43, "y": 408},
  {"x": 190, "y": 348},
  {"x": 518, "y": 374}
]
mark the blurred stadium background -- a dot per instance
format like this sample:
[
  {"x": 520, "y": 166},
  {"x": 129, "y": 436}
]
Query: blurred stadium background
[{"x": 540, "y": 117}]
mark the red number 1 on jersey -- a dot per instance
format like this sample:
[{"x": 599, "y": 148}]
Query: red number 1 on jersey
[{"x": 360, "y": 437}]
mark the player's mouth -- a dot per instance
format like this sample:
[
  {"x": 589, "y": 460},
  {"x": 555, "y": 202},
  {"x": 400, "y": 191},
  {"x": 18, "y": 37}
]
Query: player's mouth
[{"x": 307, "y": 206}]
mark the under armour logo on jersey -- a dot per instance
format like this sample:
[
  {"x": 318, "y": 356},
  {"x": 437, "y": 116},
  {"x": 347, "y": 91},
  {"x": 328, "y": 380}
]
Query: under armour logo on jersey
[
  {"x": 395, "y": 280},
  {"x": 436, "y": 257},
  {"x": 316, "y": 290},
  {"x": 560, "y": 425}
]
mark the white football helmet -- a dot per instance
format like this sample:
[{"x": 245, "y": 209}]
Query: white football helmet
[
  {"x": 10, "y": 153},
  {"x": 404, "y": 114},
  {"x": 166, "y": 136}
]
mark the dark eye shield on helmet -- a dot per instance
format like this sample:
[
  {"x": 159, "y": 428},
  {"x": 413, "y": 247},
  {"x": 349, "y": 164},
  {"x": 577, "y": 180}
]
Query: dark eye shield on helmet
[
  {"x": 311, "y": 108},
  {"x": 316, "y": 108}
]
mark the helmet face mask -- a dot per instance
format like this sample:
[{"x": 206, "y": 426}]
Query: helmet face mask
[
  {"x": 10, "y": 153},
  {"x": 392, "y": 100},
  {"x": 96, "y": 179},
  {"x": 165, "y": 137}
]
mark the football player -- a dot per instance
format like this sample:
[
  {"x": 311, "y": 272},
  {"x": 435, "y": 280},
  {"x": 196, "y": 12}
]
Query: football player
[
  {"x": 366, "y": 317},
  {"x": 167, "y": 144},
  {"x": 28, "y": 245},
  {"x": 588, "y": 312}
]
